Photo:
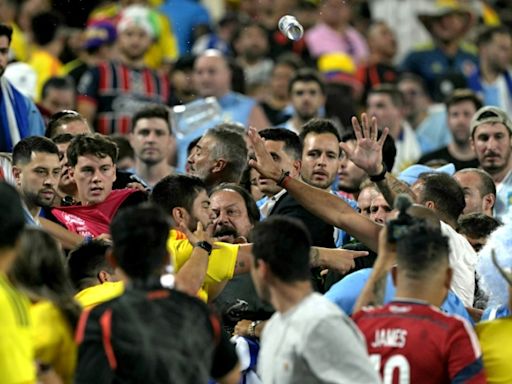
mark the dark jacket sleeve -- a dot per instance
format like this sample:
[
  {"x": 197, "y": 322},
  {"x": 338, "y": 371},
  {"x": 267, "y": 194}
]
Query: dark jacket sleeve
[{"x": 92, "y": 364}]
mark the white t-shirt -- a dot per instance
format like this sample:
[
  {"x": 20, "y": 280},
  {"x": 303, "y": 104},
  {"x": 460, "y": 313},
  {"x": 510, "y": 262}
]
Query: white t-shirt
[
  {"x": 408, "y": 149},
  {"x": 463, "y": 261},
  {"x": 314, "y": 342},
  {"x": 503, "y": 198}
]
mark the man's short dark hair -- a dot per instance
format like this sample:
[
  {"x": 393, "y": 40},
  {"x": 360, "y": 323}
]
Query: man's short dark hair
[
  {"x": 231, "y": 146},
  {"x": 62, "y": 83},
  {"x": 284, "y": 243},
  {"x": 306, "y": 75},
  {"x": 246, "y": 25},
  {"x": 153, "y": 111},
  {"x": 461, "y": 95},
  {"x": 388, "y": 149},
  {"x": 409, "y": 76},
  {"x": 139, "y": 236},
  {"x": 487, "y": 34},
  {"x": 444, "y": 191},
  {"x": 22, "y": 151},
  {"x": 177, "y": 191},
  {"x": 252, "y": 209},
  {"x": 60, "y": 118},
  {"x": 391, "y": 90},
  {"x": 45, "y": 26},
  {"x": 421, "y": 249},
  {"x": 318, "y": 126},
  {"x": 6, "y": 30},
  {"x": 91, "y": 144},
  {"x": 477, "y": 225},
  {"x": 86, "y": 261},
  {"x": 291, "y": 60},
  {"x": 123, "y": 145},
  {"x": 12, "y": 220},
  {"x": 292, "y": 145}
]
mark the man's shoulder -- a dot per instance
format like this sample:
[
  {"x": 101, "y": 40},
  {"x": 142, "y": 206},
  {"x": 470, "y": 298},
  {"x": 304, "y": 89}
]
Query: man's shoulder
[
  {"x": 441, "y": 153},
  {"x": 409, "y": 312},
  {"x": 317, "y": 309},
  {"x": 135, "y": 298}
]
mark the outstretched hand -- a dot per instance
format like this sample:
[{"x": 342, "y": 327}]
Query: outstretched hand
[
  {"x": 264, "y": 163},
  {"x": 344, "y": 261},
  {"x": 367, "y": 152}
]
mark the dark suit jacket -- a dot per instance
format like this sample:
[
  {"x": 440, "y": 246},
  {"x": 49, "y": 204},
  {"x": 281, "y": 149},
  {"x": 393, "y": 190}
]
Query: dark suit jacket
[{"x": 322, "y": 234}]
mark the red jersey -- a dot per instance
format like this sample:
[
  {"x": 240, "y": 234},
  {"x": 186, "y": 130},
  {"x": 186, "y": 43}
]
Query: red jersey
[
  {"x": 93, "y": 220},
  {"x": 413, "y": 342}
]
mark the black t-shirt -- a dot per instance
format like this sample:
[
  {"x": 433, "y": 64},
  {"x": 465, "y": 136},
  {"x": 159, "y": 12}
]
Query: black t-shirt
[
  {"x": 152, "y": 336},
  {"x": 443, "y": 154},
  {"x": 275, "y": 116}
]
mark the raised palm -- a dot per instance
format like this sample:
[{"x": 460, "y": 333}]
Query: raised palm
[{"x": 367, "y": 151}]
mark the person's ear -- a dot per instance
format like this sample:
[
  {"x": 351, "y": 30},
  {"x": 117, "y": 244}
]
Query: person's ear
[
  {"x": 179, "y": 215},
  {"x": 430, "y": 204},
  {"x": 297, "y": 166},
  {"x": 103, "y": 276},
  {"x": 16, "y": 172},
  {"x": 219, "y": 165},
  {"x": 488, "y": 202}
]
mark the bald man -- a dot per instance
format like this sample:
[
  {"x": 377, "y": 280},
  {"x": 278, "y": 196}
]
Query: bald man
[{"x": 212, "y": 78}]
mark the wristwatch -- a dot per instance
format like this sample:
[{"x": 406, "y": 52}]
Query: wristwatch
[
  {"x": 251, "y": 330},
  {"x": 204, "y": 245}
]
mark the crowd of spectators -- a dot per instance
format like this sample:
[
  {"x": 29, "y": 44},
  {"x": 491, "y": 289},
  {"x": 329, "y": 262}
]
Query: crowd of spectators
[{"x": 188, "y": 194}]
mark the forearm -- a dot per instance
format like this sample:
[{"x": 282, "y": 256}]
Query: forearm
[
  {"x": 215, "y": 290},
  {"x": 334, "y": 211},
  {"x": 243, "y": 259},
  {"x": 323, "y": 257},
  {"x": 374, "y": 289},
  {"x": 68, "y": 239},
  {"x": 391, "y": 187},
  {"x": 321, "y": 203},
  {"x": 190, "y": 277}
]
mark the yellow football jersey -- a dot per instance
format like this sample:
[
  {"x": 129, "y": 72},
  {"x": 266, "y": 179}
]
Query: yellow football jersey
[
  {"x": 16, "y": 347},
  {"x": 53, "y": 339},
  {"x": 221, "y": 263},
  {"x": 92, "y": 296},
  {"x": 496, "y": 342}
]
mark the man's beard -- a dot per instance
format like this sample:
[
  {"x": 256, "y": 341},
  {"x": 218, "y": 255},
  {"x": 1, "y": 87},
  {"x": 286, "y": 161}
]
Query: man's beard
[
  {"x": 305, "y": 117},
  {"x": 252, "y": 55},
  {"x": 36, "y": 200},
  {"x": 348, "y": 188}
]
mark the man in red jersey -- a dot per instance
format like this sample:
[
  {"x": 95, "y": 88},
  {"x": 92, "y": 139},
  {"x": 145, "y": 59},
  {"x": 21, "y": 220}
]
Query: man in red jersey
[
  {"x": 92, "y": 166},
  {"x": 410, "y": 340}
]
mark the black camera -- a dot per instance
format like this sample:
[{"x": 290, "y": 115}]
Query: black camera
[{"x": 398, "y": 227}]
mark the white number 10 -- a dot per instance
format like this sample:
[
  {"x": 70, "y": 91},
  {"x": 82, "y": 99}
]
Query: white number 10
[{"x": 395, "y": 362}]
